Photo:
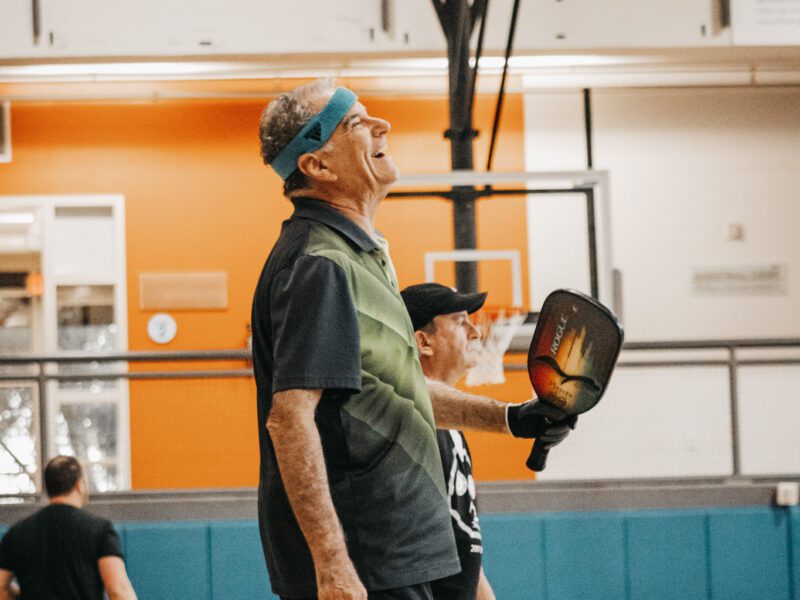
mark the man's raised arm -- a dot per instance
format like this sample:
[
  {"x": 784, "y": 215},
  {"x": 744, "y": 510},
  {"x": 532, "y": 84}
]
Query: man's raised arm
[
  {"x": 455, "y": 409},
  {"x": 298, "y": 450}
]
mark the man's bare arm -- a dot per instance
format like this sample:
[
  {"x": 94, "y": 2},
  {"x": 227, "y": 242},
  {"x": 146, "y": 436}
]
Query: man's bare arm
[
  {"x": 8, "y": 589},
  {"x": 302, "y": 465},
  {"x": 115, "y": 578},
  {"x": 454, "y": 409},
  {"x": 485, "y": 591}
]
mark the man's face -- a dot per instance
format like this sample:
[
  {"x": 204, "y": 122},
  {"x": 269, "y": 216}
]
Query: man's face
[
  {"x": 358, "y": 152},
  {"x": 455, "y": 342}
]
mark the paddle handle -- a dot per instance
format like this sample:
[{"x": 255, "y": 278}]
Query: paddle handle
[{"x": 538, "y": 457}]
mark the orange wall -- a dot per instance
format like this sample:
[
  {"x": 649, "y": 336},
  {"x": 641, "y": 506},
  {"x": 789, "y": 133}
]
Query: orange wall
[{"x": 198, "y": 198}]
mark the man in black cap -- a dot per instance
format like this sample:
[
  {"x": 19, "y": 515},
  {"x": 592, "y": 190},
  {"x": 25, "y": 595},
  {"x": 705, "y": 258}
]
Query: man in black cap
[{"x": 449, "y": 345}]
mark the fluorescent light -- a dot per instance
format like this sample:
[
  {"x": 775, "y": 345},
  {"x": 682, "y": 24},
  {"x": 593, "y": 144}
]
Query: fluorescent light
[
  {"x": 16, "y": 218},
  {"x": 650, "y": 77},
  {"x": 401, "y": 64},
  {"x": 229, "y": 69},
  {"x": 536, "y": 71},
  {"x": 559, "y": 60},
  {"x": 134, "y": 69},
  {"x": 495, "y": 63}
]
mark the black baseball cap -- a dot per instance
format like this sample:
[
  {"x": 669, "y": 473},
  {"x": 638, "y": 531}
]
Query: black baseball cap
[{"x": 425, "y": 301}]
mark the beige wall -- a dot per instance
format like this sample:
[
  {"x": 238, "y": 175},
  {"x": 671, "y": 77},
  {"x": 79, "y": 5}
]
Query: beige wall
[{"x": 686, "y": 164}]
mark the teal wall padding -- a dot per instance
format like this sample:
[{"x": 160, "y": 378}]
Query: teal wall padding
[
  {"x": 794, "y": 549},
  {"x": 237, "y": 561},
  {"x": 750, "y": 554},
  {"x": 513, "y": 546},
  {"x": 703, "y": 554},
  {"x": 666, "y": 556},
  {"x": 584, "y": 554},
  {"x": 169, "y": 560}
]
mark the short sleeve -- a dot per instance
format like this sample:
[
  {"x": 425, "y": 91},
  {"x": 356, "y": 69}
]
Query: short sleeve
[
  {"x": 6, "y": 560},
  {"x": 108, "y": 544},
  {"x": 316, "y": 339}
]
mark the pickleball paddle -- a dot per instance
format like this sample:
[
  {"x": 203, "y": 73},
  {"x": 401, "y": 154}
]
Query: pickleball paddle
[{"x": 574, "y": 348}]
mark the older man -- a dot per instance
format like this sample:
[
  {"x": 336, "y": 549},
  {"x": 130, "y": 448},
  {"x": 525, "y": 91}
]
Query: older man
[
  {"x": 352, "y": 500},
  {"x": 449, "y": 345},
  {"x": 62, "y": 552}
]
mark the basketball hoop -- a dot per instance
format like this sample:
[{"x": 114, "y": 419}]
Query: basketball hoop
[{"x": 497, "y": 325}]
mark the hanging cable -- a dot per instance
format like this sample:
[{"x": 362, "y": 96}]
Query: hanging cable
[
  {"x": 478, "y": 52},
  {"x": 498, "y": 109}
]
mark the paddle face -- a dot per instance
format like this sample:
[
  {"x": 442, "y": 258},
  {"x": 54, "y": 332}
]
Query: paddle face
[{"x": 573, "y": 351}]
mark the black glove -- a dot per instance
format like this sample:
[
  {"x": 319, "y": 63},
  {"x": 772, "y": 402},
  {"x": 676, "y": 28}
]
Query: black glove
[
  {"x": 557, "y": 432},
  {"x": 539, "y": 420}
]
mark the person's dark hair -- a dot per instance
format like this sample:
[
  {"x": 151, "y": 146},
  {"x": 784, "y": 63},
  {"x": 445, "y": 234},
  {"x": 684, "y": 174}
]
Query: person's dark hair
[
  {"x": 429, "y": 327},
  {"x": 282, "y": 119},
  {"x": 61, "y": 475}
]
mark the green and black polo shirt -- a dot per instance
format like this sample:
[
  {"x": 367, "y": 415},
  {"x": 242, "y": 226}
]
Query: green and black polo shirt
[{"x": 327, "y": 314}]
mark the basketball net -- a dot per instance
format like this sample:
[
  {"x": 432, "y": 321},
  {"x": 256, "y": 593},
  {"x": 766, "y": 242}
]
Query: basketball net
[{"x": 497, "y": 326}]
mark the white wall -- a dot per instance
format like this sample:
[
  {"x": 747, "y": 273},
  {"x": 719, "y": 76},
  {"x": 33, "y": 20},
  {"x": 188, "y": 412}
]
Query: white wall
[
  {"x": 653, "y": 423},
  {"x": 102, "y": 28},
  {"x": 686, "y": 164}
]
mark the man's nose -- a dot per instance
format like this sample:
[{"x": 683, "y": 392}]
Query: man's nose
[
  {"x": 472, "y": 331},
  {"x": 380, "y": 126}
]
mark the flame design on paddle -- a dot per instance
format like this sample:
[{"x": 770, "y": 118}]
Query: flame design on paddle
[
  {"x": 550, "y": 362},
  {"x": 557, "y": 379}
]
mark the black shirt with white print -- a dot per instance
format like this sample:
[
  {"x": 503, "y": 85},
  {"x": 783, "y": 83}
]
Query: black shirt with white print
[{"x": 457, "y": 464}]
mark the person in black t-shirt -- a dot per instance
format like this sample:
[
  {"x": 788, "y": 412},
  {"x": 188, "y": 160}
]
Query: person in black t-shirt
[
  {"x": 449, "y": 345},
  {"x": 62, "y": 552}
]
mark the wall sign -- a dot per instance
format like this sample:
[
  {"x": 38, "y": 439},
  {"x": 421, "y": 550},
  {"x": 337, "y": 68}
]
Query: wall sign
[
  {"x": 161, "y": 328},
  {"x": 191, "y": 290},
  {"x": 764, "y": 280},
  {"x": 765, "y": 22}
]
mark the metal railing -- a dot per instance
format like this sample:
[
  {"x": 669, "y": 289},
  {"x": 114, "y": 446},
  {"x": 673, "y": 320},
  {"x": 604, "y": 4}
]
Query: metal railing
[
  {"x": 42, "y": 369},
  {"x": 732, "y": 362}
]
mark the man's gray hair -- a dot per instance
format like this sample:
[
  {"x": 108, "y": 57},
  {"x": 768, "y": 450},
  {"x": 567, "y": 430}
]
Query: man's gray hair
[{"x": 283, "y": 118}]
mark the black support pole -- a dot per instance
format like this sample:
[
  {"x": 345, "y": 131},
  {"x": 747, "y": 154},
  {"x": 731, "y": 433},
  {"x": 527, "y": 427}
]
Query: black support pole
[
  {"x": 36, "y": 15},
  {"x": 458, "y": 18},
  {"x": 587, "y": 122},
  {"x": 590, "y": 212}
]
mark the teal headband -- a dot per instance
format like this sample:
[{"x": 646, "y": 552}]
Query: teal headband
[{"x": 315, "y": 133}]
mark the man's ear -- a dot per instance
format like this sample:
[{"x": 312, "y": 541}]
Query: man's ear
[
  {"x": 423, "y": 343},
  {"x": 315, "y": 167}
]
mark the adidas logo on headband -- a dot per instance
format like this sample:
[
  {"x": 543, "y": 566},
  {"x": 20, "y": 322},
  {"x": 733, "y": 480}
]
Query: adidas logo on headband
[{"x": 315, "y": 133}]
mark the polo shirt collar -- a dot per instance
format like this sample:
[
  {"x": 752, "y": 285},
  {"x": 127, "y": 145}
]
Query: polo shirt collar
[{"x": 321, "y": 211}]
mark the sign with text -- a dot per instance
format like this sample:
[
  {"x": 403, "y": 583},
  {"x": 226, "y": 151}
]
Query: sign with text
[
  {"x": 765, "y": 280},
  {"x": 765, "y": 22}
]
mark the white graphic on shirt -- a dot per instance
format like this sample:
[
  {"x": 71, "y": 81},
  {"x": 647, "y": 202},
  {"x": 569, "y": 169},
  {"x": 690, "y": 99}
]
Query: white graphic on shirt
[{"x": 459, "y": 485}]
